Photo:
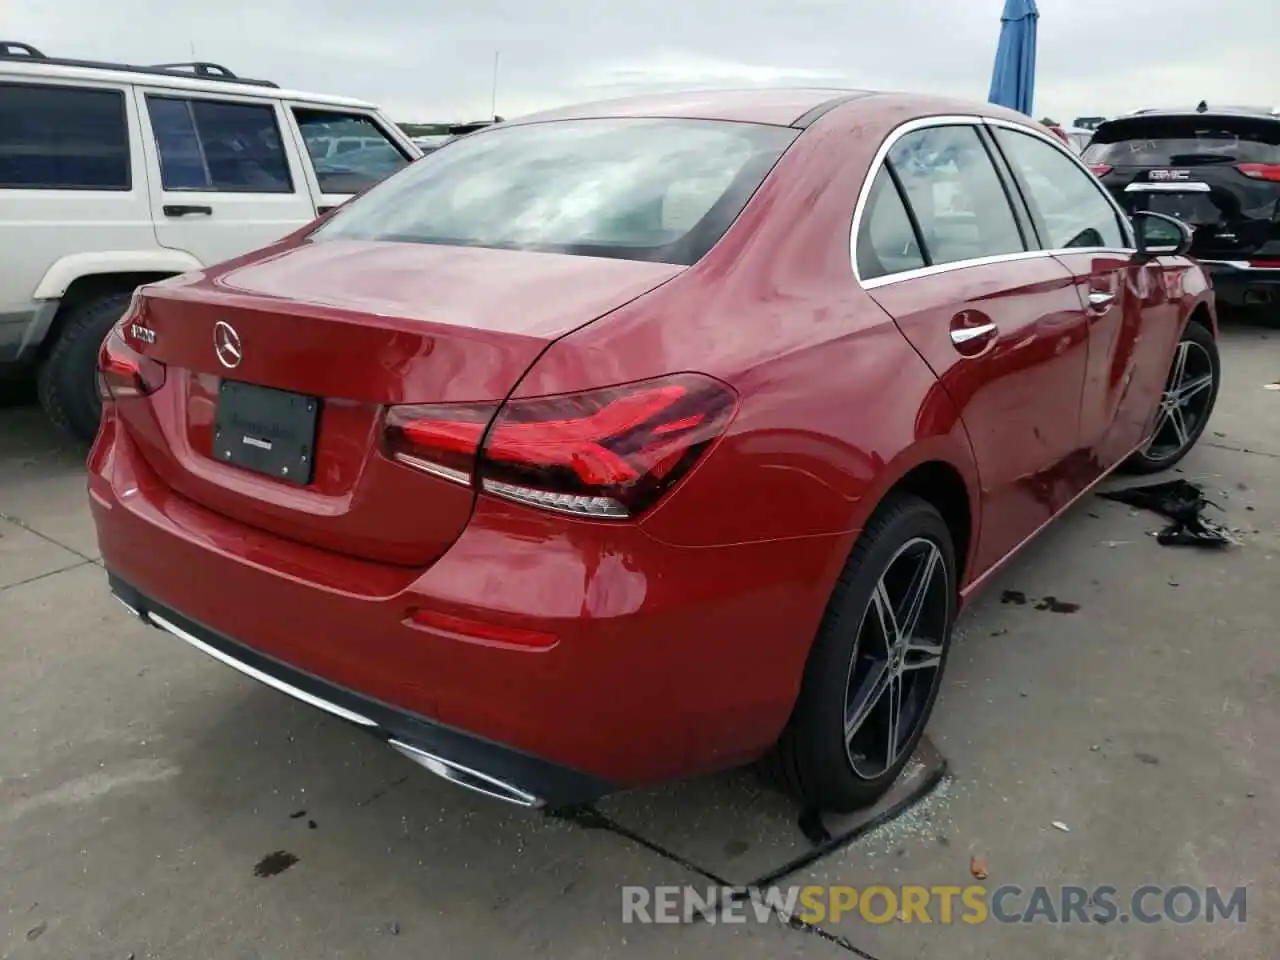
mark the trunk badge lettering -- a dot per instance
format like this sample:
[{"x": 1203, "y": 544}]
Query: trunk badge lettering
[
  {"x": 1169, "y": 175},
  {"x": 141, "y": 333},
  {"x": 255, "y": 442},
  {"x": 226, "y": 344}
]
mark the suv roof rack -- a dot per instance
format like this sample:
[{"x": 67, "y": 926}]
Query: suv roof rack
[{"x": 201, "y": 69}]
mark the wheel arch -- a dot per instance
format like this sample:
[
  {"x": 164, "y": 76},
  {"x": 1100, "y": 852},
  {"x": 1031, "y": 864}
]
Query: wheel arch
[
  {"x": 941, "y": 471},
  {"x": 1202, "y": 315},
  {"x": 941, "y": 485},
  {"x": 77, "y": 279}
]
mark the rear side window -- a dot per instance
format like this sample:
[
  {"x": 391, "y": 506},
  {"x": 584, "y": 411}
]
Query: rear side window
[
  {"x": 629, "y": 188},
  {"x": 955, "y": 194},
  {"x": 349, "y": 152},
  {"x": 886, "y": 240},
  {"x": 63, "y": 138},
  {"x": 1068, "y": 204},
  {"x": 1185, "y": 141},
  {"x": 219, "y": 145}
]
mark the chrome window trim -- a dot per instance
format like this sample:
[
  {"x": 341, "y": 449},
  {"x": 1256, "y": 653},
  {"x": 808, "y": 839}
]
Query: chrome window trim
[{"x": 972, "y": 120}]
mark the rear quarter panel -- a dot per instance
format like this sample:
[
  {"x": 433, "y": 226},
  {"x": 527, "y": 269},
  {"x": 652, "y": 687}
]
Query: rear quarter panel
[{"x": 835, "y": 405}]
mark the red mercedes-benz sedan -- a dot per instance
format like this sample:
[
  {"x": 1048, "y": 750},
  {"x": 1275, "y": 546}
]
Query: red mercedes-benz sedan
[{"x": 640, "y": 439}]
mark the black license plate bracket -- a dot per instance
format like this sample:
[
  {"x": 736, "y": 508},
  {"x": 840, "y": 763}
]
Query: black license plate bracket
[{"x": 268, "y": 431}]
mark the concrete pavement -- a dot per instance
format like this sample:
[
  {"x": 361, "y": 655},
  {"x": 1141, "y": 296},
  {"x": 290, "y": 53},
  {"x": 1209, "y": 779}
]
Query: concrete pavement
[{"x": 156, "y": 804}]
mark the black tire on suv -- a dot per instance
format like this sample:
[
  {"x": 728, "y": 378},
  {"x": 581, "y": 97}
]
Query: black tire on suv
[{"x": 67, "y": 383}]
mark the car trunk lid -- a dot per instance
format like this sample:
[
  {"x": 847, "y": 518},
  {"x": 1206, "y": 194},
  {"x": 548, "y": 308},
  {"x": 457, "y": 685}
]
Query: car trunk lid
[{"x": 279, "y": 371}]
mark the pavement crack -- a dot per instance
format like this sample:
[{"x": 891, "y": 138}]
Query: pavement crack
[
  {"x": 50, "y": 573},
  {"x": 589, "y": 818},
  {"x": 1249, "y": 450},
  {"x": 815, "y": 931},
  {"x": 19, "y": 522},
  {"x": 381, "y": 791}
]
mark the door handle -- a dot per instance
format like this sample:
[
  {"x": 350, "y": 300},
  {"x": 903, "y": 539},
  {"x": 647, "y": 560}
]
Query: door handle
[
  {"x": 1100, "y": 300},
  {"x": 183, "y": 209},
  {"x": 321, "y": 211},
  {"x": 963, "y": 335}
]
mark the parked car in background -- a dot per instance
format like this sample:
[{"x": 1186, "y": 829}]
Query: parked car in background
[
  {"x": 114, "y": 175},
  {"x": 641, "y": 439},
  {"x": 1215, "y": 168},
  {"x": 1077, "y": 138}
]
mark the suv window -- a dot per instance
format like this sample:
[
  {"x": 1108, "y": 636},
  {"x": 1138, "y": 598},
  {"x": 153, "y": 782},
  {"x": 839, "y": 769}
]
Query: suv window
[
  {"x": 63, "y": 138},
  {"x": 1185, "y": 141},
  {"x": 219, "y": 145},
  {"x": 631, "y": 188},
  {"x": 348, "y": 151},
  {"x": 886, "y": 240},
  {"x": 955, "y": 194},
  {"x": 1068, "y": 204}
]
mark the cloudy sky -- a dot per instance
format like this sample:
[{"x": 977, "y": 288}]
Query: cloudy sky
[{"x": 434, "y": 59}]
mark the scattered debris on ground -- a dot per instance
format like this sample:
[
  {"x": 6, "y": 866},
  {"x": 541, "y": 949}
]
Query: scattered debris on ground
[
  {"x": 1050, "y": 603},
  {"x": 274, "y": 863},
  {"x": 1183, "y": 503},
  {"x": 978, "y": 866}
]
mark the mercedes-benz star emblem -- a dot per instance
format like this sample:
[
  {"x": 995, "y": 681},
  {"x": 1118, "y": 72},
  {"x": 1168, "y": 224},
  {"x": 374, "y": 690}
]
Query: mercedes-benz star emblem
[{"x": 226, "y": 344}]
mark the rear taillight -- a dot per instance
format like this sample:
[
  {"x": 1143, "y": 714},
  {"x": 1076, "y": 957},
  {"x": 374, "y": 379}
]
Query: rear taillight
[
  {"x": 607, "y": 453},
  {"x": 1260, "y": 171},
  {"x": 1101, "y": 169},
  {"x": 123, "y": 371}
]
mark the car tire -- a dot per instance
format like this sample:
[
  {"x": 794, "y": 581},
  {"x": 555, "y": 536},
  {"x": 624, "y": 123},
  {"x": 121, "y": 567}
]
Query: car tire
[
  {"x": 813, "y": 757},
  {"x": 1195, "y": 360},
  {"x": 67, "y": 383}
]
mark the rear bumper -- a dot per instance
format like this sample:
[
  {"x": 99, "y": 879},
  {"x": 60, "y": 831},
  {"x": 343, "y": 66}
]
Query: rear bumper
[
  {"x": 1237, "y": 284},
  {"x": 459, "y": 757},
  {"x": 666, "y": 661}
]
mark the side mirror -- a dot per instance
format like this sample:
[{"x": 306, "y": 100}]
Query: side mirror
[{"x": 1160, "y": 235}]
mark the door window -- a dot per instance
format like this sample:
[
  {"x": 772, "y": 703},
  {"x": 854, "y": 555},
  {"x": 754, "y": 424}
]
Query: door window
[
  {"x": 63, "y": 138},
  {"x": 219, "y": 145},
  {"x": 348, "y": 151},
  {"x": 955, "y": 194},
  {"x": 1068, "y": 203},
  {"x": 887, "y": 242}
]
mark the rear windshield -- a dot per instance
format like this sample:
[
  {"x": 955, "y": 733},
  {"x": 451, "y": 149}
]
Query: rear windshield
[
  {"x": 1185, "y": 141},
  {"x": 631, "y": 188}
]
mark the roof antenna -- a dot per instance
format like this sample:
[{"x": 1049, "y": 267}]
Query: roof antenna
[{"x": 1202, "y": 107}]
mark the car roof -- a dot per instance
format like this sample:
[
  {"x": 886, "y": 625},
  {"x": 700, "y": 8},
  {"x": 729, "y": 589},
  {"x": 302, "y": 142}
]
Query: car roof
[
  {"x": 1208, "y": 111},
  {"x": 36, "y": 70},
  {"x": 778, "y": 106}
]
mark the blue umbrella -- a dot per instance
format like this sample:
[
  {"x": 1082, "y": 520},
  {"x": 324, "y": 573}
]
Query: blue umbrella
[{"x": 1013, "y": 81}]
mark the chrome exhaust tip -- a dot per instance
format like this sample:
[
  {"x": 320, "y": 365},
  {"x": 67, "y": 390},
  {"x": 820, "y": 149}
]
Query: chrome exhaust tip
[{"x": 465, "y": 777}]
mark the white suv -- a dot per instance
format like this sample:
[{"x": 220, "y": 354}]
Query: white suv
[{"x": 114, "y": 175}]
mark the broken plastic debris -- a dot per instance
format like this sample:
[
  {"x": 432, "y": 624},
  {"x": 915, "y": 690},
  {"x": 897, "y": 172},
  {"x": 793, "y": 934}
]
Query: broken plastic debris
[
  {"x": 1059, "y": 825},
  {"x": 978, "y": 866},
  {"x": 1183, "y": 503},
  {"x": 1272, "y": 386}
]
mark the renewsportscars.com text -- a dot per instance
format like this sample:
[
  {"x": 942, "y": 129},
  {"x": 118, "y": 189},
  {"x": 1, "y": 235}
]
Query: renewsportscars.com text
[{"x": 971, "y": 905}]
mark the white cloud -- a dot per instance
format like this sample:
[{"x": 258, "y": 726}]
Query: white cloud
[{"x": 433, "y": 59}]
